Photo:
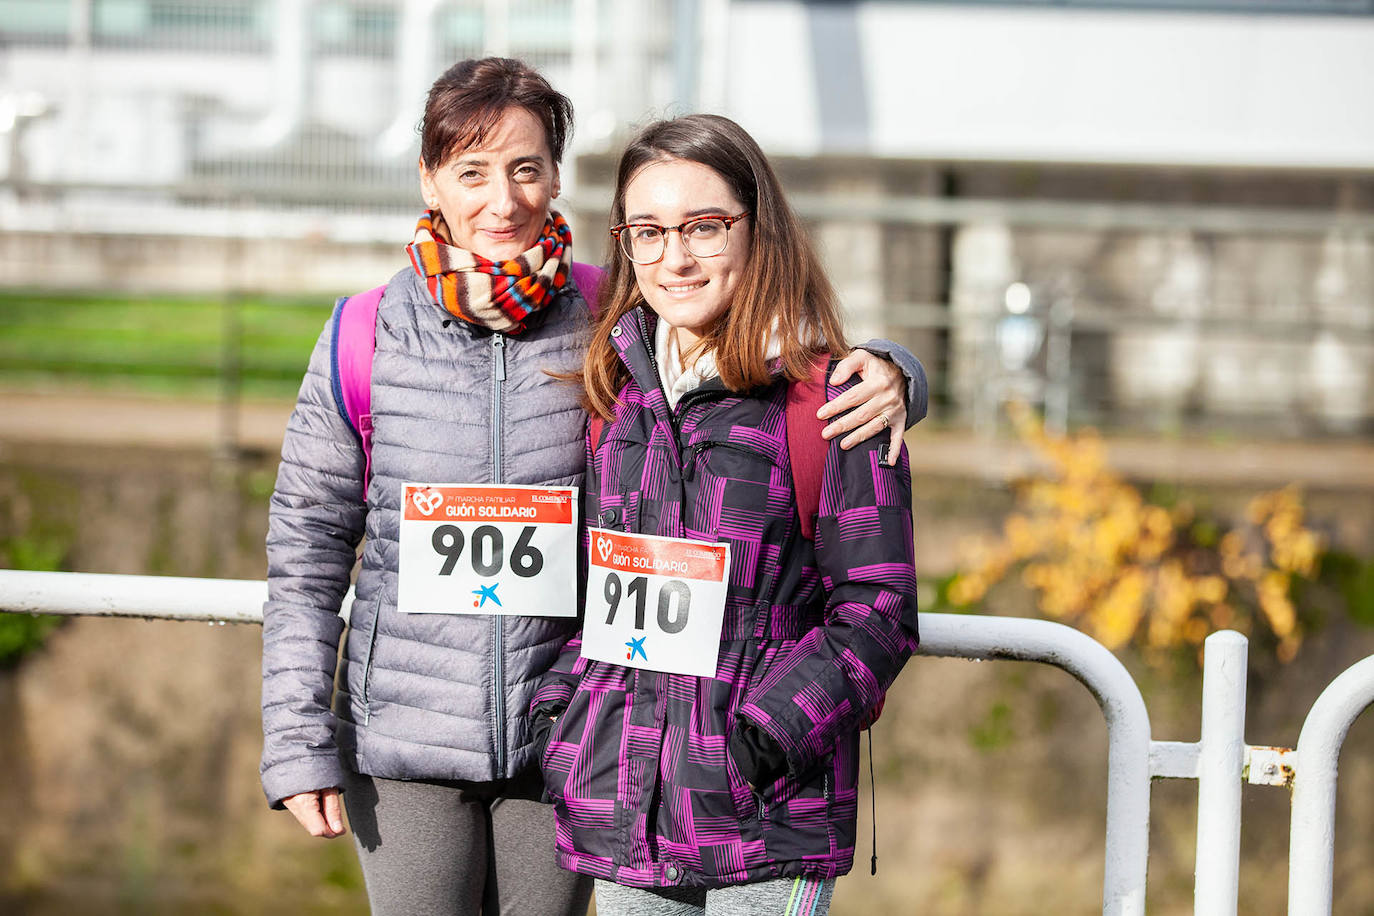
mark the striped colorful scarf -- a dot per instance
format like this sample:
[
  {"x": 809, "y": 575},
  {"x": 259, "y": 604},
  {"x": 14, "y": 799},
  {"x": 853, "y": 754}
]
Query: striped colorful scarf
[{"x": 500, "y": 295}]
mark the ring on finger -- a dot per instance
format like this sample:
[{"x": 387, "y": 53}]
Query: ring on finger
[{"x": 886, "y": 421}]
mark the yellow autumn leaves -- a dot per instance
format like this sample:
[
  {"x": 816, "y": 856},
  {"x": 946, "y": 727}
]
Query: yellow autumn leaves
[{"x": 1100, "y": 557}]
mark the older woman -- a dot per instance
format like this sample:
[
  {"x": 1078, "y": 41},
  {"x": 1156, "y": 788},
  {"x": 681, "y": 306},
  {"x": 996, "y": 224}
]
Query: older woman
[{"x": 425, "y": 724}]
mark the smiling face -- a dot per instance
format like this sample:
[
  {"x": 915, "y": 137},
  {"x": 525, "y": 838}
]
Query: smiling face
[
  {"x": 495, "y": 198},
  {"x": 688, "y": 292}
]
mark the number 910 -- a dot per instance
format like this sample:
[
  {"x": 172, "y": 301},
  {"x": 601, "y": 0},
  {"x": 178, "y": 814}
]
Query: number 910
[{"x": 614, "y": 590}]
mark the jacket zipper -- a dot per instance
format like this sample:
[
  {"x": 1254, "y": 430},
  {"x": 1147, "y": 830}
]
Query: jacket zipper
[
  {"x": 672, "y": 424},
  {"x": 498, "y": 349},
  {"x": 672, "y": 418},
  {"x": 653, "y": 364}
]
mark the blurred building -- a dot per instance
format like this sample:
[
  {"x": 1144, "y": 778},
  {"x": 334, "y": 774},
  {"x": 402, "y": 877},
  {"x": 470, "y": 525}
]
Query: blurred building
[{"x": 1154, "y": 214}]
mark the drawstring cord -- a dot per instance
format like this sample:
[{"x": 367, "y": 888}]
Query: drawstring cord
[{"x": 872, "y": 805}]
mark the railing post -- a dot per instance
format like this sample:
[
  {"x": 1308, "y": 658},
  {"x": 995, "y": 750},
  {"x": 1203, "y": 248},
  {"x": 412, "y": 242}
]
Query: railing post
[
  {"x": 1221, "y": 760},
  {"x": 1128, "y": 727},
  {"x": 1312, "y": 840}
]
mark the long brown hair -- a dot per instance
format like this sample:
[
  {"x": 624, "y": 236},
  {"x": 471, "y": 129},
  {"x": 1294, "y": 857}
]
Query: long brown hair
[{"x": 783, "y": 281}]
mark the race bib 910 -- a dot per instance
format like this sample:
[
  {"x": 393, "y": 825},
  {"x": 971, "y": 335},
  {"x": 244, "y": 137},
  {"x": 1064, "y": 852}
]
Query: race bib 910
[
  {"x": 654, "y": 602},
  {"x": 488, "y": 549}
]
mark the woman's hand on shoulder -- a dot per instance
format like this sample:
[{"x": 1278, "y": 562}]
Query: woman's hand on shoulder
[
  {"x": 877, "y": 404},
  {"x": 319, "y": 812}
]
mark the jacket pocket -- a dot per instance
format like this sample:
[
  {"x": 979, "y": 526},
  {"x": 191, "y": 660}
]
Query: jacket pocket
[
  {"x": 367, "y": 662},
  {"x": 749, "y": 802},
  {"x": 553, "y": 789},
  {"x": 754, "y": 479},
  {"x": 570, "y": 723}
]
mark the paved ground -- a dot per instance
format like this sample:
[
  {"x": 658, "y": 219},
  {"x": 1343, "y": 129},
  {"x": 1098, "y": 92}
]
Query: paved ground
[
  {"x": 109, "y": 420},
  {"x": 113, "y": 420}
]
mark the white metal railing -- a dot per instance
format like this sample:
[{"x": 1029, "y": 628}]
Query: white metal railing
[
  {"x": 1220, "y": 761},
  {"x": 1312, "y": 840},
  {"x": 1128, "y": 727},
  {"x": 153, "y": 597}
]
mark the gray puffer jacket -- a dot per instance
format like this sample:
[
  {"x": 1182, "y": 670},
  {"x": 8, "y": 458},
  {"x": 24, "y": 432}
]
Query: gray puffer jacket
[{"x": 419, "y": 696}]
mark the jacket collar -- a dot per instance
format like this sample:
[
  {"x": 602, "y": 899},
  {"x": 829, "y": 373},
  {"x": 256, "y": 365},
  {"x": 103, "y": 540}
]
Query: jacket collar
[{"x": 632, "y": 337}]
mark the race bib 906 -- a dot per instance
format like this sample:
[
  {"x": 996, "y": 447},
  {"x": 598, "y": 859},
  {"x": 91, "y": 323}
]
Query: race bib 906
[
  {"x": 488, "y": 549},
  {"x": 654, "y": 602}
]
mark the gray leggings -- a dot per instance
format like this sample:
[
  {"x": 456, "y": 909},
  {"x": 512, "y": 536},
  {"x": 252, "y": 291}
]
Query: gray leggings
[
  {"x": 457, "y": 849},
  {"x": 779, "y": 897}
]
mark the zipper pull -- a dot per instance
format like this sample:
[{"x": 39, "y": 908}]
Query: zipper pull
[
  {"x": 693, "y": 453},
  {"x": 498, "y": 344}
]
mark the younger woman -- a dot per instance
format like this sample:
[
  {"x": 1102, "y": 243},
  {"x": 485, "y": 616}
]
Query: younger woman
[{"x": 703, "y": 738}]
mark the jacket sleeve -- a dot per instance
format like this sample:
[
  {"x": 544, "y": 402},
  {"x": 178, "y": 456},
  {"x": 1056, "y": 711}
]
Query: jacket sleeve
[
  {"x": 917, "y": 388},
  {"x": 838, "y": 672},
  {"x": 315, "y": 523}
]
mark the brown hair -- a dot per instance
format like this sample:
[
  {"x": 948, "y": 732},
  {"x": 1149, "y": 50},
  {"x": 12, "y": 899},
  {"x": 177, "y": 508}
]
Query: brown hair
[
  {"x": 782, "y": 281},
  {"x": 469, "y": 99}
]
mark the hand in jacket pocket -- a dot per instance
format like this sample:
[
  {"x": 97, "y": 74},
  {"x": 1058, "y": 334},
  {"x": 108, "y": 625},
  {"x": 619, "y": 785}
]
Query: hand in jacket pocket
[
  {"x": 759, "y": 759},
  {"x": 541, "y": 730}
]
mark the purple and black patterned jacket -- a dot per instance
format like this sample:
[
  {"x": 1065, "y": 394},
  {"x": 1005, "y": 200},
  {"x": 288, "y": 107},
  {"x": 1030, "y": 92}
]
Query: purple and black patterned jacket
[{"x": 644, "y": 790}]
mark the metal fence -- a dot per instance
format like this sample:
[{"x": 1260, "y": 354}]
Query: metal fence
[{"x": 1220, "y": 760}]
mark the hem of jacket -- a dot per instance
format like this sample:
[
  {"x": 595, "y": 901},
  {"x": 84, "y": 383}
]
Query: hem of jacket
[
  {"x": 524, "y": 786},
  {"x": 652, "y": 876},
  {"x": 358, "y": 752}
]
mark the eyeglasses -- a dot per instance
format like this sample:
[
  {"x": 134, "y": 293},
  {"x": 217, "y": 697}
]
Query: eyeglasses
[{"x": 704, "y": 237}]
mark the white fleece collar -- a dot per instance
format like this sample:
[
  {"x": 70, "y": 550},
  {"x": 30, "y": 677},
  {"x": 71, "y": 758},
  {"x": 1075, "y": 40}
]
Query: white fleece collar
[{"x": 678, "y": 381}]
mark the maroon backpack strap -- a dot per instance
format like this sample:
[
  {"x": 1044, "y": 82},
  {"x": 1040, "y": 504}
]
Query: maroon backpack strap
[
  {"x": 805, "y": 445},
  {"x": 804, "y": 442},
  {"x": 808, "y": 450},
  {"x": 594, "y": 427}
]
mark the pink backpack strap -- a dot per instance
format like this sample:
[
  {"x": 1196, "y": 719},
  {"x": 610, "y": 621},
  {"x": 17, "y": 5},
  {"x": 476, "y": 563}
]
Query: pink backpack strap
[
  {"x": 588, "y": 279},
  {"x": 355, "y": 342},
  {"x": 805, "y": 445}
]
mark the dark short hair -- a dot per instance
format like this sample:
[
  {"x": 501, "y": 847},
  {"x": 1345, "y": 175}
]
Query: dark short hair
[{"x": 468, "y": 101}]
